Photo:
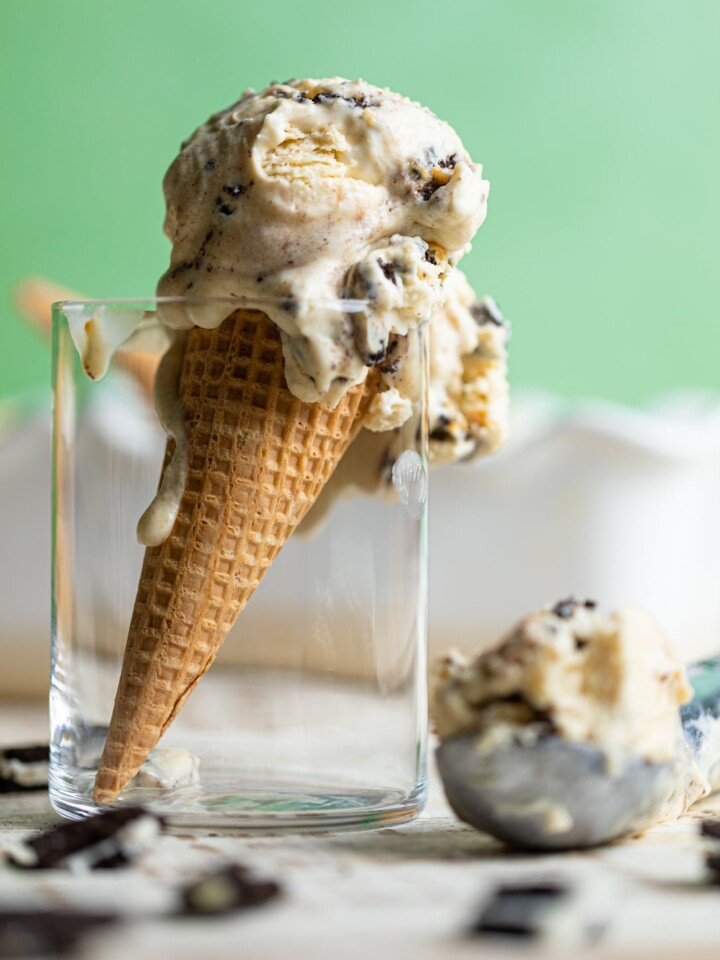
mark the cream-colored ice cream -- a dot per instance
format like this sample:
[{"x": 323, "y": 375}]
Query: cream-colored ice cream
[
  {"x": 468, "y": 399},
  {"x": 314, "y": 190},
  {"x": 340, "y": 210},
  {"x": 468, "y": 396},
  {"x": 612, "y": 681}
]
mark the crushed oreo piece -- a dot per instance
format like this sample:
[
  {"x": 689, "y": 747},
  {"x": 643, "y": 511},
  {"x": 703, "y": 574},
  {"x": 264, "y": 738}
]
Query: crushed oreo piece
[
  {"x": 234, "y": 189},
  {"x": 487, "y": 311},
  {"x": 46, "y": 933},
  {"x": 448, "y": 162},
  {"x": 370, "y": 359},
  {"x": 566, "y": 608},
  {"x": 325, "y": 96},
  {"x": 429, "y": 258},
  {"x": 388, "y": 268},
  {"x": 227, "y": 890},
  {"x": 393, "y": 356},
  {"x": 209, "y": 165},
  {"x": 710, "y": 828},
  {"x": 106, "y": 841},
  {"x": 24, "y": 768},
  {"x": 519, "y": 910},
  {"x": 712, "y": 862}
]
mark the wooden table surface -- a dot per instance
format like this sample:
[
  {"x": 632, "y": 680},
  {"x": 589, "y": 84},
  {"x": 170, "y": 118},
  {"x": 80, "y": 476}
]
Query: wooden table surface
[{"x": 405, "y": 892}]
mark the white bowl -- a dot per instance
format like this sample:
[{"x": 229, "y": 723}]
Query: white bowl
[{"x": 592, "y": 499}]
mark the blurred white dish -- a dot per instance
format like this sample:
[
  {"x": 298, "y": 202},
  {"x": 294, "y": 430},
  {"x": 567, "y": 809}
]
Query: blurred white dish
[
  {"x": 595, "y": 499},
  {"x": 591, "y": 499}
]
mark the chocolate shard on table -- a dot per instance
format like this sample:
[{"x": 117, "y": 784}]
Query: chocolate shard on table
[
  {"x": 47, "y": 933},
  {"x": 520, "y": 910},
  {"x": 106, "y": 841},
  {"x": 710, "y": 828},
  {"x": 227, "y": 890}
]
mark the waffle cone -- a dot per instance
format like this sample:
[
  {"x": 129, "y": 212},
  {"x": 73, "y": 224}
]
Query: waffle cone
[{"x": 257, "y": 459}]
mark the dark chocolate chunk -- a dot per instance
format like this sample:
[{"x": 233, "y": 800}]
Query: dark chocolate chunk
[
  {"x": 712, "y": 862},
  {"x": 440, "y": 430},
  {"x": 225, "y": 891},
  {"x": 388, "y": 268},
  {"x": 225, "y": 209},
  {"x": 102, "y": 841},
  {"x": 46, "y": 933},
  {"x": 518, "y": 911},
  {"x": 209, "y": 165},
  {"x": 429, "y": 188}
]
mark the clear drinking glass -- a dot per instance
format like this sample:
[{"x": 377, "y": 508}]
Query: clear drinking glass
[{"x": 314, "y": 713}]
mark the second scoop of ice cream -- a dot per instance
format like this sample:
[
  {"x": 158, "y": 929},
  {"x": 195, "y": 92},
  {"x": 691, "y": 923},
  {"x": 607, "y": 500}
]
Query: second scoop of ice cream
[
  {"x": 610, "y": 681},
  {"x": 315, "y": 190}
]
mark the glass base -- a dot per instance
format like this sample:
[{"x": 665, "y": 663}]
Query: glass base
[
  {"x": 243, "y": 808},
  {"x": 253, "y": 750}
]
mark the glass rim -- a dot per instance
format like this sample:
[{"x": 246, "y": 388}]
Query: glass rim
[{"x": 348, "y": 305}]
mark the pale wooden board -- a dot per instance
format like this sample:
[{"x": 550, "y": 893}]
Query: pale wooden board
[{"x": 398, "y": 893}]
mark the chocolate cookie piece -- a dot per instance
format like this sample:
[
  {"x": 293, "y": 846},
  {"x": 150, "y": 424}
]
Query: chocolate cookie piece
[
  {"x": 108, "y": 840},
  {"x": 24, "y": 768},
  {"x": 566, "y": 608},
  {"x": 225, "y": 891},
  {"x": 46, "y": 933},
  {"x": 710, "y": 828},
  {"x": 519, "y": 910}
]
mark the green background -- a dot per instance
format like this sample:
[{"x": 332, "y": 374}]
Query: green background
[{"x": 597, "y": 122}]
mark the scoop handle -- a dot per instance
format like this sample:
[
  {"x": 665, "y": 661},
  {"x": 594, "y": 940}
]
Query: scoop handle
[
  {"x": 705, "y": 679},
  {"x": 701, "y": 718}
]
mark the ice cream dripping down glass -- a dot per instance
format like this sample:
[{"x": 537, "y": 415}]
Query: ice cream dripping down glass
[{"x": 242, "y": 644}]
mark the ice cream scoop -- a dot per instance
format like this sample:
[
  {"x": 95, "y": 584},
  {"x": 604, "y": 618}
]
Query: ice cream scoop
[
  {"x": 552, "y": 794},
  {"x": 570, "y": 733}
]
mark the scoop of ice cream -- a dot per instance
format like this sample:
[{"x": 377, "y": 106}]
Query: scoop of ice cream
[
  {"x": 612, "y": 681},
  {"x": 468, "y": 397},
  {"x": 316, "y": 190}
]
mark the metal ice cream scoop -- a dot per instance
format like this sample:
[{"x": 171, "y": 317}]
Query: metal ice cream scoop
[{"x": 556, "y": 795}]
